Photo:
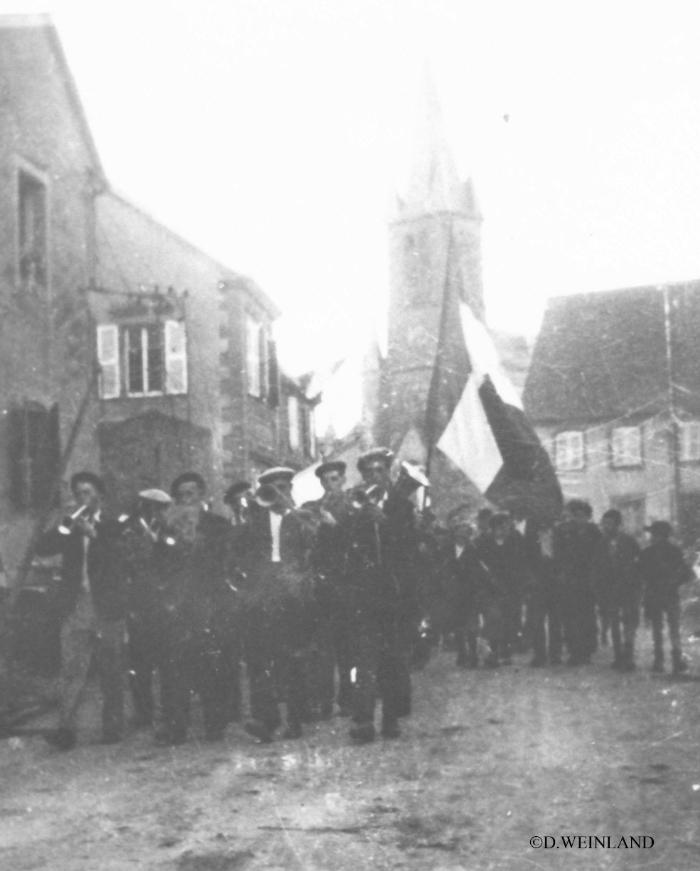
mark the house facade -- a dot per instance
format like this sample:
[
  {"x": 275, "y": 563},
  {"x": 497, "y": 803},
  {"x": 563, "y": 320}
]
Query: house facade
[
  {"x": 124, "y": 348},
  {"x": 614, "y": 391}
]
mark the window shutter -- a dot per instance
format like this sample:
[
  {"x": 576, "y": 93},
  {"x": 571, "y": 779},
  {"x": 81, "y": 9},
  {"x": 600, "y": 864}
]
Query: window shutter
[
  {"x": 108, "y": 358},
  {"x": 175, "y": 357},
  {"x": 252, "y": 356},
  {"x": 273, "y": 393},
  {"x": 293, "y": 422}
]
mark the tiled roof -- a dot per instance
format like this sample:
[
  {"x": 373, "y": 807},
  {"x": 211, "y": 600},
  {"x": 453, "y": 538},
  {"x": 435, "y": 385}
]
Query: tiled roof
[{"x": 603, "y": 356}]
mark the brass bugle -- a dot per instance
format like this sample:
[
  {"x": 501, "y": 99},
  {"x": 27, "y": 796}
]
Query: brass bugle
[
  {"x": 362, "y": 496},
  {"x": 267, "y": 495},
  {"x": 68, "y": 524}
]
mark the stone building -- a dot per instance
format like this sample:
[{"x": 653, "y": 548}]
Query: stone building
[
  {"x": 614, "y": 390},
  {"x": 124, "y": 348}
]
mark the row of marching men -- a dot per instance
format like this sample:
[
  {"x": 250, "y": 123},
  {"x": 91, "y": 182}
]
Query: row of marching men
[
  {"x": 570, "y": 586},
  {"x": 319, "y": 602}
]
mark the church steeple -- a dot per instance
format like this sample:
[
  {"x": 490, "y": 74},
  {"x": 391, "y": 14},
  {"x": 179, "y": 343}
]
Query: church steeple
[{"x": 435, "y": 238}]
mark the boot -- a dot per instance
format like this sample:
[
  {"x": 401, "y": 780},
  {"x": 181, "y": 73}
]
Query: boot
[{"x": 362, "y": 733}]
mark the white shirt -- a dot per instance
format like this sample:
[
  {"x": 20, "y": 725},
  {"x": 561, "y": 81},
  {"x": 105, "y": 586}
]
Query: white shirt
[
  {"x": 459, "y": 550},
  {"x": 86, "y": 548},
  {"x": 275, "y": 526}
]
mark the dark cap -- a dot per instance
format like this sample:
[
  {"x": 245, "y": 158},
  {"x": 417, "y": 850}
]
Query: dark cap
[
  {"x": 500, "y": 518},
  {"x": 87, "y": 478},
  {"x": 276, "y": 473},
  {"x": 331, "y": 466},
  {"x": 612, "y": 514},
  {"x": 186, "y": 478},
  {"x": 384, "y": 455},
  {"x": 579, "y": 505},
  {"x": 659, "y": 527},
  {"x": 235, "y": 490}
]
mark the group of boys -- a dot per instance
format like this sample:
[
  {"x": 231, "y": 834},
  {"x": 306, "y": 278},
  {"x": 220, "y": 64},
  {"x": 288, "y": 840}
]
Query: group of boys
[
  {"x": 519, "y": 584},
  {"x": 319, "y": 602}
]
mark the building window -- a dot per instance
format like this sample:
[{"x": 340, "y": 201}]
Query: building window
[
  {"x": 569, "y": 451},
  {"x": 34, "y": 455},
  {"x": 145, "y": 361},
  {"x": 689, "y": 435},
  {"x": 294, "y": 424},
  {"x": 154, "y": 358},
  {"x": 626, "y": 447},
  {"x": 32, "y": 236}
]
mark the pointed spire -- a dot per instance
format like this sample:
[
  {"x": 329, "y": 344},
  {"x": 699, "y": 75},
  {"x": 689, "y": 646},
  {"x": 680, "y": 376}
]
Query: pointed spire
[{"x": 434, "y": 184}]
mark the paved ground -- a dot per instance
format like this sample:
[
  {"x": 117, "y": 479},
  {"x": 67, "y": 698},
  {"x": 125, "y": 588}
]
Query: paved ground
[{"x": 489, "y": 760}]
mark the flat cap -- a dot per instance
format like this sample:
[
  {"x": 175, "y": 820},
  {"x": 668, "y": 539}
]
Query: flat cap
[
  {"x": 235, "y": 490},
  {"x": 659, "y": 527},
  {"x": 276, "y": 473},
  {"x": 186, "y": 478},
  {"x": 384, "y": 455},
  {"x": 155, "y": 495},
  {"x": 88, "y": 478},
  {"x": 331, "y": 466}
]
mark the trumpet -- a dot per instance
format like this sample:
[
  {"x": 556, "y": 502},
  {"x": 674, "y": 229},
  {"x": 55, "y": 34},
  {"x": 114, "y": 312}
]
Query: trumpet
[
  {"x": 69, "y": 523},
  {"x": 360, "y": 497},
  {"x": 152, "y": 529}
]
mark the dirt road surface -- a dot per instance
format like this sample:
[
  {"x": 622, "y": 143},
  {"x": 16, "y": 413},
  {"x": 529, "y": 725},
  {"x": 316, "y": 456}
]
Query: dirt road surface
[{"x": 488, "y": 760}]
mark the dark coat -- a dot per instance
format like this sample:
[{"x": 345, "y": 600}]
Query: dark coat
[
  {"x": 574, "y": 547},
  {"x": 507, "y": 563},
  {"x": 615, "y": 571},
  {"x": 105, "y": 564},
  {"x": 383, "y": 557},
  {"x": 192, "y": 579},
  {"x": 467, "y": 580},
  {"x": 662, "y": 569}
]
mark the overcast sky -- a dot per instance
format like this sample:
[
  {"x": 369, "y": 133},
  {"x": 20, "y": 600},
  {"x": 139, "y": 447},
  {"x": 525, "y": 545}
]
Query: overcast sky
[{"x": 274, "y": 133}]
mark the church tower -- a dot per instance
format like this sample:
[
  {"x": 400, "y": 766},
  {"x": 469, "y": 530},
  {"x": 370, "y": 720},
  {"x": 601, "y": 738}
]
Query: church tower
[{"x": 435, "y": 238}]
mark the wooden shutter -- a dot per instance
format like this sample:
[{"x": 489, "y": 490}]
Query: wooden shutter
[
  {"x": 175, "y": 357},
  {"x": 108, "y": 358},
  {"x": 273, "y": 393},
  {"x": 252, "y": 346}
]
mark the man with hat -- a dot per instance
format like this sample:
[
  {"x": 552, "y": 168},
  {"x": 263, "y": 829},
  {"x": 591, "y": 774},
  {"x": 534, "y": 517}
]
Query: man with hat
[
  {"x": 382, "y": 560},
  {"x": 144, "y": 532},
  {"x": 574, "y": 542},
  {"x": 278, "y": 619},
  {"x": 663, "y": 570},
  {"x": 92, "y": 605},
  {"x": 236, "y": 498},
  {"x": 331, "y": 646},
  {"x": 193, "y": 592},
  {"x": 615, "y": 572}
]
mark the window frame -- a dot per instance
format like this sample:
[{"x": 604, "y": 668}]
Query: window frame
[
  {"x": 685, "y": 427},
  {"x": 557, "y": 451},
  {"x": 621, "y": 462},
  {"x": 145, "y": 359},
  {"x": 37, "y": 176},
  {"x": 257, "y": 357},
  {"x": 294, "y": 423}
]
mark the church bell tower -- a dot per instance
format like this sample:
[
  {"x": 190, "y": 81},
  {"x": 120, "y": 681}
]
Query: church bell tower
[{"x": 435, "y": 241}]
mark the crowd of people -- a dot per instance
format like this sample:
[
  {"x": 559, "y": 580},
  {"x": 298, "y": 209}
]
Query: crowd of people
[{"x": 326, "y": 608}]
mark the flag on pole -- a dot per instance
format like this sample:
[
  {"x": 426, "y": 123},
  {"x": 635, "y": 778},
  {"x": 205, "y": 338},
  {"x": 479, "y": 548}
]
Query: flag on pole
[{"x": 475, "y": 417}]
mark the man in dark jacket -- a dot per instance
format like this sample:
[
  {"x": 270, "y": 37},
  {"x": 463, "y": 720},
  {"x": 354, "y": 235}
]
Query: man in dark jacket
[
  {"x": 381, "y": 580},
  {"x": 193, "y": 593},
  {"x": 331, "y": 643},
  {"x": 615, "y": 575},
  {"x": 92, "y": 604},
  {"x": 278, "y": 608},
  {"x": 663, "y": 570},
  {"x": 575, "y": 540}
]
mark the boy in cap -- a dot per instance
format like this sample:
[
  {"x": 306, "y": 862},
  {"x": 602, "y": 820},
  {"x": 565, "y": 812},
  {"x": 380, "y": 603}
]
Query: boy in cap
[
  {"x": 663, "y": 570},
  {"x": 92, "y": 603}
]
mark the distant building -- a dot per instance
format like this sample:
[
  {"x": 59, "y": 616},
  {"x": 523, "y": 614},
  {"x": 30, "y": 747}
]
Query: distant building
[
  {"x": 614, "y": 390},
  {"x": 123, "y": 346}
]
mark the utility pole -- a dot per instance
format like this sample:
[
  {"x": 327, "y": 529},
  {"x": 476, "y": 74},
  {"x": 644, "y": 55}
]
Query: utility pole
[{"x": 674, "y": 435}]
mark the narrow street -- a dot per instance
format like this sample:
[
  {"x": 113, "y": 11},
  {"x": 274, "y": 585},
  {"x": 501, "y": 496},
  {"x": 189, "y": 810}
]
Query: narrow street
[{"x": 489, "y": 759}]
